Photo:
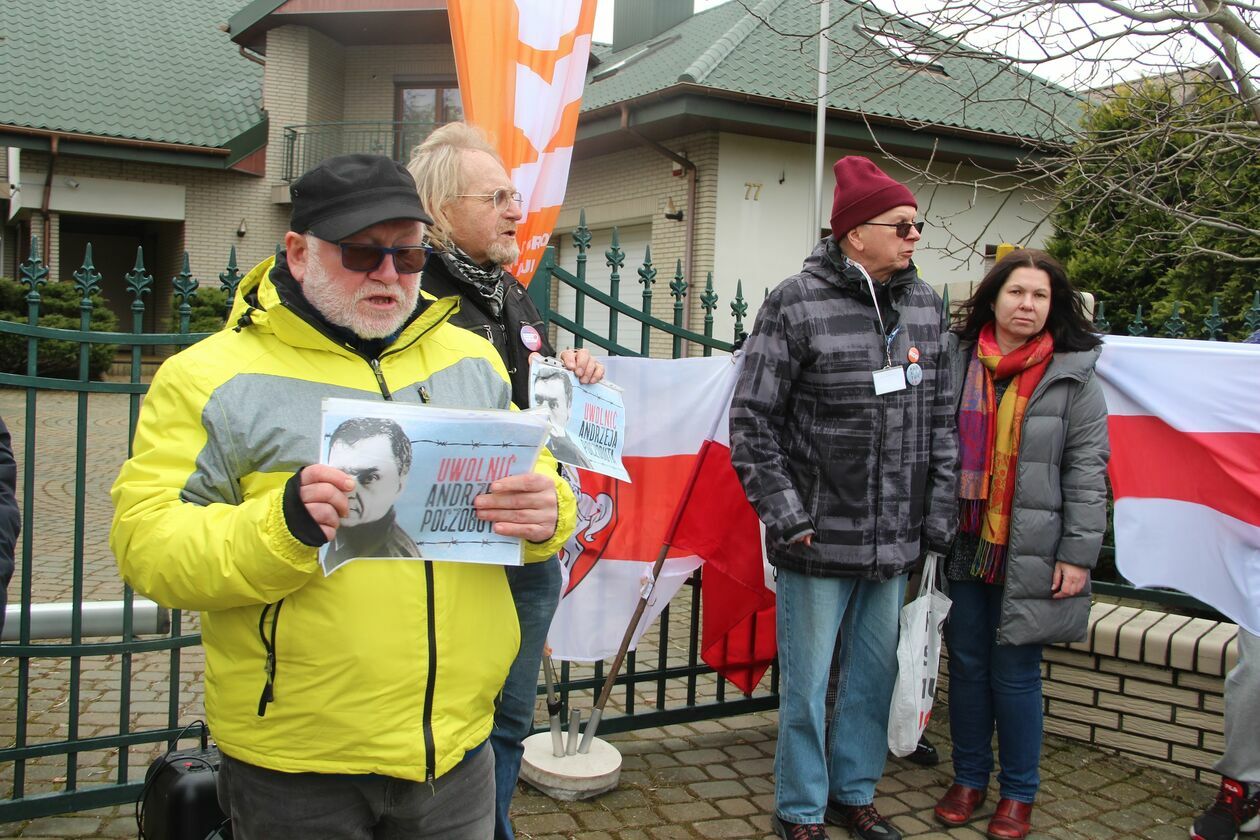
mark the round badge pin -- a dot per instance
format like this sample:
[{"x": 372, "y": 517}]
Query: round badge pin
[
  {"x": 913, "y": 355},
  {"x": 530, "y": 338},
  {"x": 914, "y": 374}
]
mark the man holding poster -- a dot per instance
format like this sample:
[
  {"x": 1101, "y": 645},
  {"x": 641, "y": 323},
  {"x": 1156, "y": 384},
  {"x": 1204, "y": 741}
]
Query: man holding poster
[{"x": 357, "y": 703}]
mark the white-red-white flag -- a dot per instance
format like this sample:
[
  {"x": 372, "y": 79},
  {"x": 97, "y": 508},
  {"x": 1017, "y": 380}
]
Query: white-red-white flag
[
  {"x": 1184, "y": 420},
  {"x": 679, "y": 463}
]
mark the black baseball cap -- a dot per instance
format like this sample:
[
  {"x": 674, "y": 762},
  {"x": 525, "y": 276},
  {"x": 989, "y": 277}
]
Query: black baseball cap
[{"x": 345, "y": 194}]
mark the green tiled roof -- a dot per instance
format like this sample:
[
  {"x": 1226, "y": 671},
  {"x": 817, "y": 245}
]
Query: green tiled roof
[
  {"x": 729, "y": 48},
  {"x": 136, "y": 69}
]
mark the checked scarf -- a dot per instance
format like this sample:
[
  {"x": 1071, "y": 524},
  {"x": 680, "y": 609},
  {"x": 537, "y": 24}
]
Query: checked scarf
[
  {"x": 988, "y": 441},
  {"x": 488, "y": 282}
]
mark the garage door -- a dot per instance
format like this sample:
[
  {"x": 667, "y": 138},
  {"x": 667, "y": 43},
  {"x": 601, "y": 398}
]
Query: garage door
[{"x": 633, "y": 240}]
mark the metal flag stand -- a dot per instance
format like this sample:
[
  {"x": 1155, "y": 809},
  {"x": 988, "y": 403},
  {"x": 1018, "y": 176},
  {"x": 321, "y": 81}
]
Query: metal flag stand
[{"x": 592, "y": 766}]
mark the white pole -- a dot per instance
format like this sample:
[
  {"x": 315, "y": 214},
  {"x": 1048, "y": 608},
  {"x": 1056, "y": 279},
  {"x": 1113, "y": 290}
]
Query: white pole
[{"x": 820, "y": 131}]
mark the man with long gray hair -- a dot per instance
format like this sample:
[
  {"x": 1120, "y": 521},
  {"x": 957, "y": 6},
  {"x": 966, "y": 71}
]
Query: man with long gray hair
[{"x": 475, "y": 208}]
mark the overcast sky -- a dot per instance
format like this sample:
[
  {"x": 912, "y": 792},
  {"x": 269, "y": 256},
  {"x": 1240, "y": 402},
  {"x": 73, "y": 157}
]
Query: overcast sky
[{"x": 604, "y": 16}]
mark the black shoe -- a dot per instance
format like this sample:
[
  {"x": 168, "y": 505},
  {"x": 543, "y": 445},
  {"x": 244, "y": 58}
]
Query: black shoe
[
  {"x": 797, "y": 831},
  {"x": 863, "y": 821},
  {"x": 924, "y": 754},
  {"x": 1231, "y": 813}
]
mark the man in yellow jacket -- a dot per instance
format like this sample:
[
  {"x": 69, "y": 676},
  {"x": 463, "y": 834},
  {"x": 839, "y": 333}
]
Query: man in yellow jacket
[{"x": 357, "y": 704}]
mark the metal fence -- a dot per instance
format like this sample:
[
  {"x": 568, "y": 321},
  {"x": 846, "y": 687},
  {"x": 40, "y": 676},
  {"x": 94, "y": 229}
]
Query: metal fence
[
  {"x": 88, "y": 713},
  {"x": 61, "y": 759}
]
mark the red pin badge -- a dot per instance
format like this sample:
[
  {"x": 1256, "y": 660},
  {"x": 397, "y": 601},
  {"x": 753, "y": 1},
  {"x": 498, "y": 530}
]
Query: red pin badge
[
  {"x": 913, "y": 355},
  {"x": 530, "y": 338}
]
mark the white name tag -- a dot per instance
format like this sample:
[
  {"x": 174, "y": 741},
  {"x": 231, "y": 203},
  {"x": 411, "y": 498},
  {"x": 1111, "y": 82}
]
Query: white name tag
[{"x": 889, "y": 380}]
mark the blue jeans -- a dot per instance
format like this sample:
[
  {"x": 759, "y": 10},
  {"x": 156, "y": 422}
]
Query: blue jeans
[
  {"x": 536, "y": 593},
  {"x": 810, "y": 611},
  {"x": 992, "y": 685}
]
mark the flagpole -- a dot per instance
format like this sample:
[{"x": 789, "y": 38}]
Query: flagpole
[
  {"x": 820, "y": 128},
  {"x": 597, "y": 713}
]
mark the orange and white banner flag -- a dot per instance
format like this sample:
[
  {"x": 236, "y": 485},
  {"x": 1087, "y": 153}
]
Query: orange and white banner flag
[{"x": 521, "y": 66}]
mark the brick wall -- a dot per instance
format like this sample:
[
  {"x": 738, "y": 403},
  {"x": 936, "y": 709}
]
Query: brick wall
[
  {"x": 303, "y": 83},
  {"x": 1146, "y": 684}
]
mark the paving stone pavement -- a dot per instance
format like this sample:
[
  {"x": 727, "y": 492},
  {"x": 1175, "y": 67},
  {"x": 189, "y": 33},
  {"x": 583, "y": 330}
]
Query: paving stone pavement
[
  {"x": 709, "y": 779},
  {"x": 713, "y": 779}
]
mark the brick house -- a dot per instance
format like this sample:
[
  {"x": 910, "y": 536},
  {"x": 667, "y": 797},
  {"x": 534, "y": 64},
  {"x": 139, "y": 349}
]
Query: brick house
[{"x": 182, "y": 128}]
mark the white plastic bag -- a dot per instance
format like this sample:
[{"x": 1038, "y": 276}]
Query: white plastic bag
[{"x": 918, "y": 659}]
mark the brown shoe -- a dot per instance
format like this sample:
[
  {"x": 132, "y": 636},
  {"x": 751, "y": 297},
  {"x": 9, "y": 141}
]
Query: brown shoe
[
  {"x": 958, "y": 804},
  {"x": 1011, "y": 821}
]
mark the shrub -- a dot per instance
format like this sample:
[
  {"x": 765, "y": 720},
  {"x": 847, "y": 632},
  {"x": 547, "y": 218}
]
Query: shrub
[
  {"x": 59, "y": 309},
  {"x": 209, "y": 309}
]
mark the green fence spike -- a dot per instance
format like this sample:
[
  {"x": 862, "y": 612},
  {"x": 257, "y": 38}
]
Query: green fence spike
[
  {"x": 647, "y": 272},
  {"x": 678, "y": 286},
  {"x": 229, "y": 279},
  {"x": 582, "y": 235},
  {"x": 87, "y": 280},
  {"x": 708, "y": 298},
  {"x": 1175, "y": 326},
  {"x": 1100, "y": 318},
  {"x": 708, "y": 302},
  {"x": 139, "y": 281},
  {"x": 1137, "y": 326},
  {"x": 739, "y": 308},
  {"x": 185, "y": 286},
  {"x": 614, "y": 257},
  {"x": 32, "y": 273},
  {"x": 1213, "y": 323},
  {"x": 647, "y": 276},
  {"x": 1252, "y": 318}
]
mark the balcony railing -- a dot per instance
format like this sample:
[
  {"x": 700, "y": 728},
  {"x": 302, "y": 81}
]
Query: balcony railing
[{"x": 307, "y": 145}]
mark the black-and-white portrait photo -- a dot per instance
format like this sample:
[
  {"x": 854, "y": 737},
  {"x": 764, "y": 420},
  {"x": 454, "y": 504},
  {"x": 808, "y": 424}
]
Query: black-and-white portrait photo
[
  {"x": 377, "y": 454},
  {"x": 553, "y": 390}
]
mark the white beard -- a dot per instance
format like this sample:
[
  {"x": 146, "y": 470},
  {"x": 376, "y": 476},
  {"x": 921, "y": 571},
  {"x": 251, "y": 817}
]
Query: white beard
[{"x": 343, "y": 311}]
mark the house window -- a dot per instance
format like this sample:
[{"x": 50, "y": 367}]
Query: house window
[
  {"x": 434, "y": 104},
  {"x": 420, "y": 108}
]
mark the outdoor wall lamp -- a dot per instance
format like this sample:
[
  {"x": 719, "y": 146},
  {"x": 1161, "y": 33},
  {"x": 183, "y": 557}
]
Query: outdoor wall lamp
[
  {"x": 240, "y": 231},
  {"x": 671, "y": 212}
]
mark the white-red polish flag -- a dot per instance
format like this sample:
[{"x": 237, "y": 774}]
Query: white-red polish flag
[
  {"x": 1184, "y": 420},
  {"x": 676, "y": 437}
]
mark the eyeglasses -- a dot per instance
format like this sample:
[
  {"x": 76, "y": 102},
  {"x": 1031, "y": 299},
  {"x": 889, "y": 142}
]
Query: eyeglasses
[
  {"x": 500, "y": 197},
  {"x": 408, "y": 259},
  {"x": 903, "y": 228}
]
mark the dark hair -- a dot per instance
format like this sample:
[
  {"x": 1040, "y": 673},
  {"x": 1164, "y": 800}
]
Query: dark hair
[
  {"x": 1066, "y": 322},
  {"x": 361, "y": 428}
]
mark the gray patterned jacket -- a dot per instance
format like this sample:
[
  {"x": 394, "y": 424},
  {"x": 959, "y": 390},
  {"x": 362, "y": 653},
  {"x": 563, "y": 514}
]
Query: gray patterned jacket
[{"x": 872, "y": 477}]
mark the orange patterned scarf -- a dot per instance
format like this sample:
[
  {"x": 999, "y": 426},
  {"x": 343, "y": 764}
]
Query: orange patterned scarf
[{"x": 988, "y": 438}]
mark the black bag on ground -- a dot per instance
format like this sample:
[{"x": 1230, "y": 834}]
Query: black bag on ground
[{"x": 180, "y": 800}]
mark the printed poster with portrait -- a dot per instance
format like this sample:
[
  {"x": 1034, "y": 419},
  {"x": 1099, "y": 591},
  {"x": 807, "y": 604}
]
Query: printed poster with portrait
[
  {"x": 417, "y": 470},
  {"x": 586, "y": 423}
]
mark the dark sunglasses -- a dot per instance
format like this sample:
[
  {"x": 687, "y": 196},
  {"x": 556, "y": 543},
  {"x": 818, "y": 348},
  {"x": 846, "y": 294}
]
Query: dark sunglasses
[
  {"x": 903, "y": 228},
  {"x": 408, "y": 259}
]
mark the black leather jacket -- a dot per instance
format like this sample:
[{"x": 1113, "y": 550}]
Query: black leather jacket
[{"x": 504, "y": 332}]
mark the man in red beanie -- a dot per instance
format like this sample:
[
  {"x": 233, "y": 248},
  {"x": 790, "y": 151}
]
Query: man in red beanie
[{"x": 842, "y": 433}]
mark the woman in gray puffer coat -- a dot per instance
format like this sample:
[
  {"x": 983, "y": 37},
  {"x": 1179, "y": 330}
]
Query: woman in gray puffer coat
[{"x": 1032, "y": 499}]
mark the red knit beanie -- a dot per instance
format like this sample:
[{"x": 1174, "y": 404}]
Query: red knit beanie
[{"x": 863, "y": 191}]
